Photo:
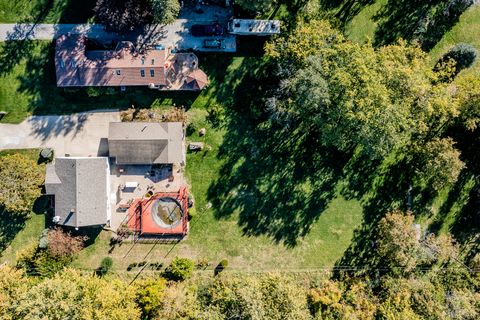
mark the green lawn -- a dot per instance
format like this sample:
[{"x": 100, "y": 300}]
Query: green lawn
[
  {"x": 362, "y": 26},
  {"x": 30, "y": 233},
  {"x": 46, "y": 11}
]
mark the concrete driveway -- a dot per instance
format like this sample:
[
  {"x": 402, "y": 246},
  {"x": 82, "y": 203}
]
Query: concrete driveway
[{"x": 81, "y": 134}]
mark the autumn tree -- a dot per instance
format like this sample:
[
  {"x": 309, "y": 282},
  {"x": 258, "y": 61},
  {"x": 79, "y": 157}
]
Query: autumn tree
[
  {"x": 63, "y": 244},
  {"x": 70, "y": 295},
  {"x": 254, "y": 297},
  {"x": 468, "y": 91},
  {"x": 149, "y": 295},
  {"x": 20, "y": 182},
  {"x": 398, "y": 241},
  {"x": 13, "y": 283},
  {"x": 337, "y": 300}
]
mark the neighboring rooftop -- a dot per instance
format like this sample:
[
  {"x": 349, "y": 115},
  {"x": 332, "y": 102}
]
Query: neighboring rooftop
[
  {"x": 146, "y": 142},
  {"x": 254, "y": 27},
  {"x": 81, "y": 189},
  {"x": 77, "y": 66}
]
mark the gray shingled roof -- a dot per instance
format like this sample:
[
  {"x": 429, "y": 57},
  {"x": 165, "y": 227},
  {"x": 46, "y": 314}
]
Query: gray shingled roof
[
  {"x": 81, "y": 190},
  {"x": 146, "y": 142}
]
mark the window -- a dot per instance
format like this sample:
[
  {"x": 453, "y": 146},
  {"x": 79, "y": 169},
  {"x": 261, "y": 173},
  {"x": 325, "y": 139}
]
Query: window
[
  {"x": 119, "y": 72},
  {"x": 142, "y": 73},
  {"x": 152, "y": 73},
  {"x": 143, "y": 61},
  {"x": 153, "y": 62}
]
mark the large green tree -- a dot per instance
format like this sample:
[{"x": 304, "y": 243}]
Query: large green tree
[
  {"x": 20, "y": 183},
  {"x": 165, "y": 11},
  {"x": 123, "y": 16},
  {"x": 355, "y": 96}
]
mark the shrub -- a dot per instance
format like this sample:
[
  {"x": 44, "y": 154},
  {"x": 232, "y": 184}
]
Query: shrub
[
  {"x": 93, "y": 92},
  {"x": 221, "y": 266},
  {"x": 191, "y": 129},
  {"x": 105, "y": 266},
  {"x": 202, "y": 263},
  {"x": 459, "y": 57},
  {"x": 176, "y": 115},
  {"x": 216, "y": 115},
  {"x": 149, "y": 296},
  {"x": 20, "y": 180},
  {"x": 46, "y": 265},
  {"x": 464, "y": 55},
  {"x": 63, "y": 244},
  {"x": 192, "y": 213},
  {"x": 180, "y": 269}
]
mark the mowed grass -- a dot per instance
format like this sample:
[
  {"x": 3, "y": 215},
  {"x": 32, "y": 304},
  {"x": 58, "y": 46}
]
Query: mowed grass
[
  {"x": 362, "y": 27},
  {"x": 30, "y": 233}
]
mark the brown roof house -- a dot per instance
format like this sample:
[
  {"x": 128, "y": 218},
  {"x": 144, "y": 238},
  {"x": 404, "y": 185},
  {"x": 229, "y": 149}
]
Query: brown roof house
[
  {"x": 157, "y": 67},
  {"x": 132, "y": 143},
  {"x": 80, "y": 186}
]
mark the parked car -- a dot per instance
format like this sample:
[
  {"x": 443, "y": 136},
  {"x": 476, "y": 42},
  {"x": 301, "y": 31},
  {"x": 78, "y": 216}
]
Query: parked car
[
  {"x": 207, "y": 30},
  {"x": 214, "y": 43}
]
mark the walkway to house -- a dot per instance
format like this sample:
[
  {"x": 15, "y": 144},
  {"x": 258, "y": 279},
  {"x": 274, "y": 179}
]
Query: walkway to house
[{"x": 81, "y": 134}]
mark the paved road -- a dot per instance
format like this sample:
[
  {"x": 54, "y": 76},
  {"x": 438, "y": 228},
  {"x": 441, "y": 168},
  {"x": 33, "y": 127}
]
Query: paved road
[
  {"x": 81, "y": 134},
  {"x": 176, "y": 34}
]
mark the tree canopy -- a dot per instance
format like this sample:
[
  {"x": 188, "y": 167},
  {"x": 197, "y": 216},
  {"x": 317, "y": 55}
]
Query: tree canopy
[
  {"x": 123, "y": 16},
  {"x": 20, "y": 183},
  {"x": 354, "y": 95}
]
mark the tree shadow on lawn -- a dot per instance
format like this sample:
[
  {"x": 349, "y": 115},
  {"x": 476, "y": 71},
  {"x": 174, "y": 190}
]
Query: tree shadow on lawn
[
  {"x": 423, "y": 21},
  {"x": 382, "y": 187},
  {"x": 10, "y": 225},
  {"x": 346, "y": 10},
  {"x": 277, "y": 182}
]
